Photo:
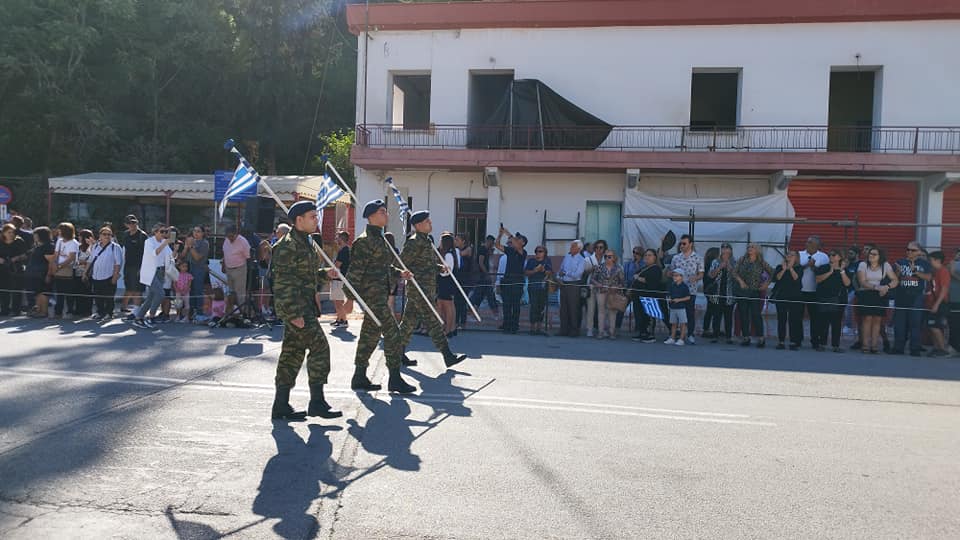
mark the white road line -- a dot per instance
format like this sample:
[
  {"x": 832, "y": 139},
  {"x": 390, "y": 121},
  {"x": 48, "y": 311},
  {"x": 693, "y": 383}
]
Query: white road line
[{"x": 482, "y": 400}]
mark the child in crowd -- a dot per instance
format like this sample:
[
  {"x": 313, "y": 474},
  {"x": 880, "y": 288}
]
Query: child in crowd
[
  {"x": 182, "y": 290},
  {"x": 677, "y": 298},
  {"x": 218, "y": 308}
]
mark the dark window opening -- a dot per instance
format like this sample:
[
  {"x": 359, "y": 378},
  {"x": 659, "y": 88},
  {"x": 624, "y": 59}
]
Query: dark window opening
[
  {"x": 471, "y": 218},
  {"x": 411, "y": 101},
  {"x": 850, "y": 115},
  {"x": 714, "y": 99}
]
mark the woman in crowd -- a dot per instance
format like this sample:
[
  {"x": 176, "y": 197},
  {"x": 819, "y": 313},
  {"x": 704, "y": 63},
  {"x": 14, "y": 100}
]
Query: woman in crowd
[
  {"x": 832, "y": 285},
  {"x": 465, "y": 275},
  {"x": 749, "y": 275},
  {"x": 177, "y": 254},
  {"x": 607, "y": 277},
  {"x": 38, "y": 274},
  {"x": 13, "y": 254},
  {"x": 721, "y": 272},
  {"x": 445, "y": 287},
  {"x": 875, "y": 277},
  {"x": 593, "y": 259},
  {"x": 786, "y": 294},
  {"x": 84, "y": 302},
  {"x": 711, "y": 322},
  {"x": 104, "y": 272},
  {"x": 536, "y": 270},
  {"x": 66, "y": 250},
  {"x": 647, "y": 283},
  {"x": 197, "y": 252}
]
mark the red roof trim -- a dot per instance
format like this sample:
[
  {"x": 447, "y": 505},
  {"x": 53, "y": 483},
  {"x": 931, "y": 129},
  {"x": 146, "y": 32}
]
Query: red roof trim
[{"x": 601, "y": 13}]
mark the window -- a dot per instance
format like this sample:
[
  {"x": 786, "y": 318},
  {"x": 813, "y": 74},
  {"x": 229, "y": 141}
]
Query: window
[
  {"x": 471, "y": 215},
  {"x": 411, "y": 101},
  {"x": 714, "y": 100},
  {"x": 854, "y": 95}
]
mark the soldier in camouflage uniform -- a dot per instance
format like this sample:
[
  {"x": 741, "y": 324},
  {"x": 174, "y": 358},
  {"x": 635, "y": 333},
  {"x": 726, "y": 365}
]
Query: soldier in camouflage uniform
[
  {"x": 420, "y": 258},
  {"x": 296, "y": 272},
  {"x": 371, "y": 269}
]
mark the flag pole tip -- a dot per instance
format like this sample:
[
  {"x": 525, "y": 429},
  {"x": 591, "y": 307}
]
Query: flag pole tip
[{"x": 229, "y": 144}]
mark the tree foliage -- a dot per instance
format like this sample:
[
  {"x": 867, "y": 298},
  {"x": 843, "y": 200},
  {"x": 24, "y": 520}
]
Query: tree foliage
[{"x": 156, "y": 86}]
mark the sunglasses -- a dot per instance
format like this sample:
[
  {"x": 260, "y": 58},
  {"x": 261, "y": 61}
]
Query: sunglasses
[
  {"x": 912, "y": 249},
  {"x": 608, "y": 256},
  {"x": 538, "y": 251}
]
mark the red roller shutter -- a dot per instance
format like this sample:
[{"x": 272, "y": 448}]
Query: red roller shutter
[
  {"x": 951, "y": 214},
  {"x": 868, "y": 201}
]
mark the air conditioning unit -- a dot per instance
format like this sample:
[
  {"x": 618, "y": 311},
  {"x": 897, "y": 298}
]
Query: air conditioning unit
[
  {"x": 633, "y": 178},
  {"x": 491, "y": 176}
]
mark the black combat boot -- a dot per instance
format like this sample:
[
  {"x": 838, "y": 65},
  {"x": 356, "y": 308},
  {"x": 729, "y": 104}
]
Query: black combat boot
[
  {"x": 361, "y": 382},
  {"x": 451, "y": 359},
  {"x": 281, "y": 406},
  {"x": 406, "y": 360},
  {"x": 397, "y": 384},
  {"x": 319, "y": 406}
]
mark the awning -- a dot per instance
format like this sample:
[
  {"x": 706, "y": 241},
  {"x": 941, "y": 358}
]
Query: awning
[{"x": 178, "y": 186}]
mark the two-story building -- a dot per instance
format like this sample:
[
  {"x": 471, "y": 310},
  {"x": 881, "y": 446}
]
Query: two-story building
[{"x": 769, "y": 121}]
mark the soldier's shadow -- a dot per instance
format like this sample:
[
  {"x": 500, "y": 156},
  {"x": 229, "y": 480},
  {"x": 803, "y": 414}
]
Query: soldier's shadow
[
  {"x": 387, "y": 433},
  {"x": 440, "y": 394},
  {"x": 295, "y": 477}
]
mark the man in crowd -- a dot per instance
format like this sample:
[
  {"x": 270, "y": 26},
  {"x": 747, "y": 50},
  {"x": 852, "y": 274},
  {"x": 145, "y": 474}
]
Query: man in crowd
[
  {"x": 296, "y": 270},
  {"x": 236, "y": 253},
  {"x": 810, "y": 259},
  {"x": 484, "y": 285},
  {"x": 25, "y": 235},
  {"x": 370, "y": 272},
  {"x": 571, "y": 276},
  {"x": 938, "y": 303},
  {"x": 341, "y": 303},
  {"x": 132, "y": 241},
  {"x": 198, "y": 258},
  {"x": 420, "y": 259},
  {"x": 690, "y": 265},
  {"x": 908, "y": 317},
  {"x": 511, "y": 285}
]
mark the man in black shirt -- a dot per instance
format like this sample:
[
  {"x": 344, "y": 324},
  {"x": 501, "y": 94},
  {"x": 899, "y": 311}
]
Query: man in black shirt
[
  {"x": 133, "y": 241},
  {"x": 483, "y": 285},
  {"x": 511, "y": 285}
]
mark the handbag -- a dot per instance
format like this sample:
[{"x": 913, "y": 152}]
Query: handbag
[
  {"x": 58, "y": 272},
  {"x": 616, "y": 300},
  {"x": 170, "y": 269}
]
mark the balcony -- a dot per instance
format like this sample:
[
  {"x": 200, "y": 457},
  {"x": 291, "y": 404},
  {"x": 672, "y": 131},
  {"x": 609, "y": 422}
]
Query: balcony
[{"x": 885, "y": 140}]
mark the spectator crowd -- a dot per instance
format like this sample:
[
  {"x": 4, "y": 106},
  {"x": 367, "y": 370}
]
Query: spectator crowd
[{"x": 165, "y": 275}]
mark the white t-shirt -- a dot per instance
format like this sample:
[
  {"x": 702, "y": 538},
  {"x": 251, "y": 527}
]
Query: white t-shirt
[
  {"x": 65, "y": 249},
  {"x": 808, "y": 280},
  {"x": 152, "y": 261}
]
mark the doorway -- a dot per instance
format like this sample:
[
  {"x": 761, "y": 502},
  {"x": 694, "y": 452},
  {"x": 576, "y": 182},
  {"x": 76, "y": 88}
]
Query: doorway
[
  {"x": 852, "y": 112},
  {"x": 603, "y": 222},
  {"x": 471, "y": 218},
  {"x": 486, "y": 92}
]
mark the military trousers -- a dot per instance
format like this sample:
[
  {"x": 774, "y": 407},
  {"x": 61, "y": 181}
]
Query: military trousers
[
  {"x": 370, "y": 334},
  {"x": 296, "y": 343},
  {"x": 417, "y": 311}
]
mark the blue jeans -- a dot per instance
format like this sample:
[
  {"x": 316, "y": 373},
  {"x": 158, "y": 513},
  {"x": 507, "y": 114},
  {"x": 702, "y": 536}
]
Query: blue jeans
[
  {"x": 154, "y": 295},
  {"x": 196, "y": 289},
  {"x": 908, "y": 321}
]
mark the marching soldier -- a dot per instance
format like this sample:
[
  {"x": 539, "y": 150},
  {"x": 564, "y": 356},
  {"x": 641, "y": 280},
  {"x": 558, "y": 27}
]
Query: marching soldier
[
  {"x": 296, "y": 270},
  {"x": 370, "y": 273},
  {"x": 419, "y": 257}
]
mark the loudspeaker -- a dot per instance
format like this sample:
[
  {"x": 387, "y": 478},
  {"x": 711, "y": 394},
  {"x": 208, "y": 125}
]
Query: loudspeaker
[{"x": 258, "y": 214}]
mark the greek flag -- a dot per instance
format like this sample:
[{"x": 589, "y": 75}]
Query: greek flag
[
  {"x": 244, "y": 177},
  {"x": 651, "y": 307},
  {"x": 328, "y": 192},
  {"x": 404, "y": 209}
]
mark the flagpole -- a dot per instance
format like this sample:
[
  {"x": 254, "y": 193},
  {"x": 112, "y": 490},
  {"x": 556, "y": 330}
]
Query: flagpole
[
  {"x": 396, "y": 255},
  {"x": 316, "y": 248},
  {"x": 456, "y": 282}
]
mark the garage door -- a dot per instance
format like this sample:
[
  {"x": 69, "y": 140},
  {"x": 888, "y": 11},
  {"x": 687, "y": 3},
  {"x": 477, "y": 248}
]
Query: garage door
[
  {"x": 867, "y": 201},
  {"x": 951, "y": 214}
]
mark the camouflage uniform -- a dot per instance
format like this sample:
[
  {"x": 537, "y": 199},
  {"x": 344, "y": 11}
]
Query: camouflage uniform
[
  {"x": 372, "y": 274},
  {"x": 419, "y": 257},
  {"x": 296, "y": 271}
]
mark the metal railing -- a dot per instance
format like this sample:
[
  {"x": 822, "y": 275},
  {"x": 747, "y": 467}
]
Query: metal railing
[{"x": 889, "y": 140}]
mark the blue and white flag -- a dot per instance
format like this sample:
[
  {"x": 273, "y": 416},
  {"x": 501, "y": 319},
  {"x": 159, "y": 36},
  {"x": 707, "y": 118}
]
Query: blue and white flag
[
  {"x": 651, "y": 307},
  {"x": 404, "y": 208},
  {"x": 328, "y": 192},
  {"x": 243, "y": 178}
]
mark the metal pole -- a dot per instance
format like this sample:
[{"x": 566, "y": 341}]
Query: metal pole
[
  {"x": 325, "y": 257},
  {"x": 396, "y": 255}
]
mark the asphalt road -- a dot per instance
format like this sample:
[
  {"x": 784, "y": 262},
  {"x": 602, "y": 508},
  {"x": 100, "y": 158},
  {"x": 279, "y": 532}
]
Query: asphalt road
[{"x": 116, "y": 433}]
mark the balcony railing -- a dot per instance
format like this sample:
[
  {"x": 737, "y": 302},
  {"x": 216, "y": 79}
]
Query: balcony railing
[{"x": 891, "y": 140}]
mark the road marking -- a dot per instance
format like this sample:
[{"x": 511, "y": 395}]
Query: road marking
[{"x": 484, "y": 400}]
